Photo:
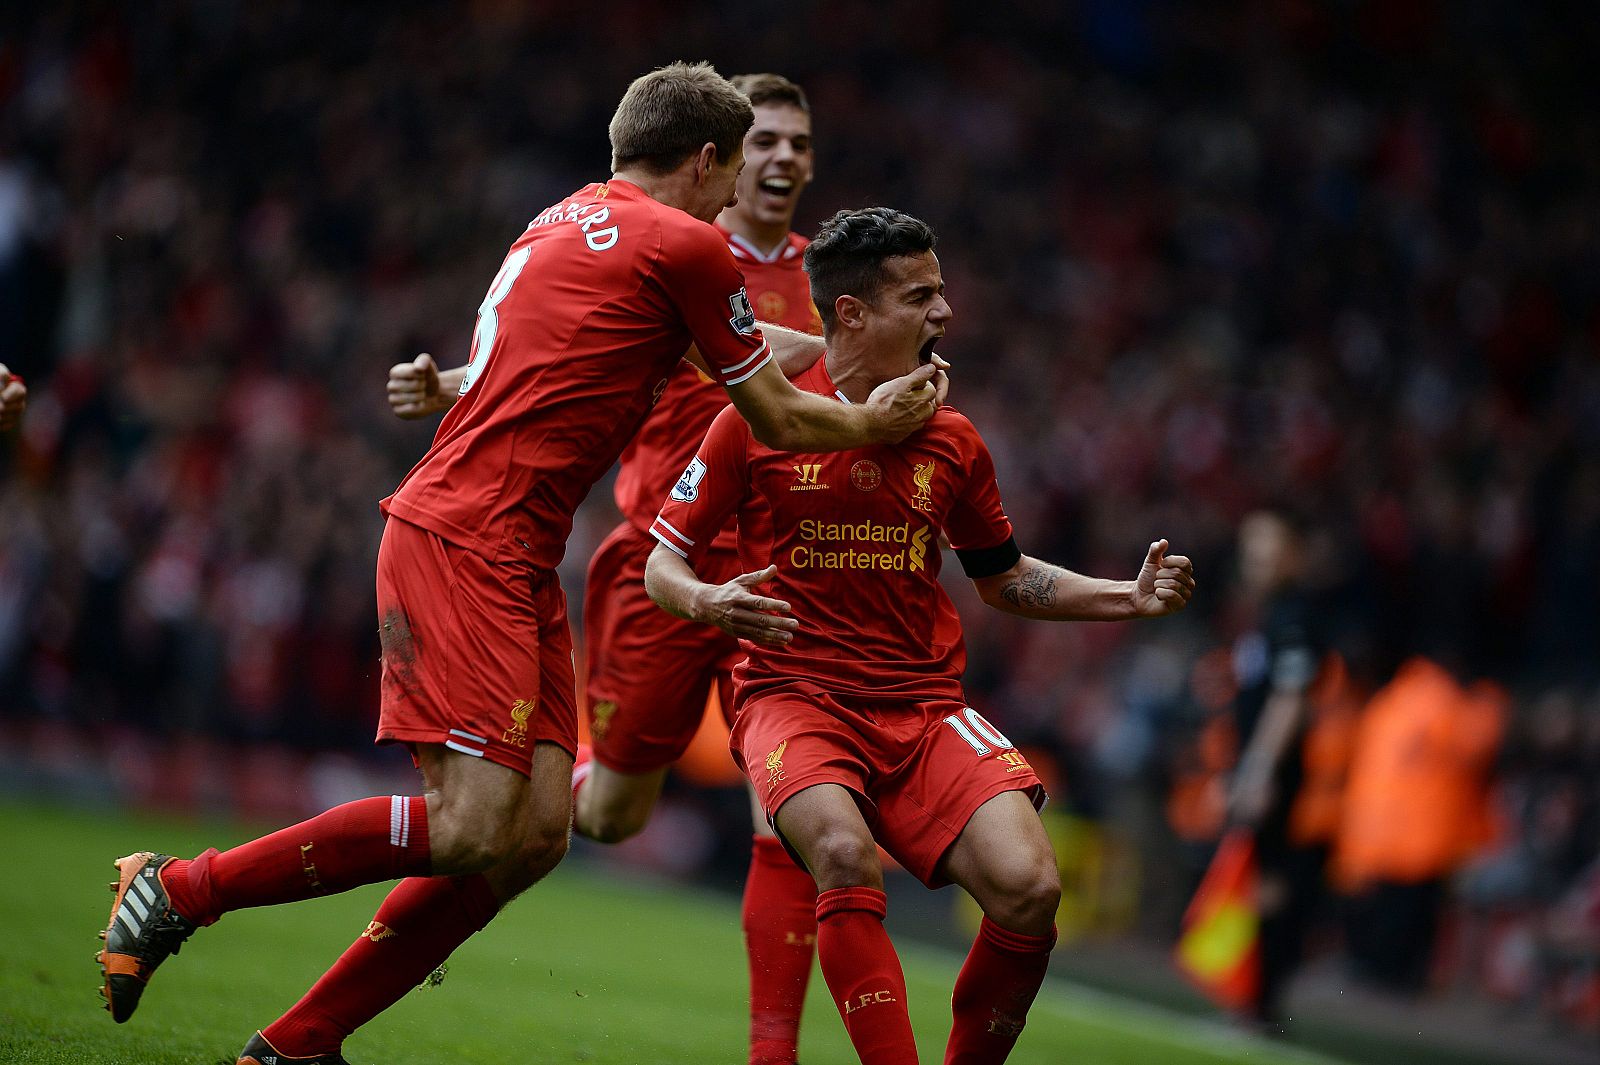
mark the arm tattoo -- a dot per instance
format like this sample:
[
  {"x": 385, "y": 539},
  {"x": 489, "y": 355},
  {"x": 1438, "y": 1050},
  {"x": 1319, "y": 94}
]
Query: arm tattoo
[{"x": 1035, "y": 588}]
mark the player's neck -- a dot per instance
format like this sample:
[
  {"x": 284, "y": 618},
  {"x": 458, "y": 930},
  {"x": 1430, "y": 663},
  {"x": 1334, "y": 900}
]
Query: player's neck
[
  {"x": 671, "y": 189},
  {"x": 766, "y": 238},
  {"x": 855, "y": 373}
]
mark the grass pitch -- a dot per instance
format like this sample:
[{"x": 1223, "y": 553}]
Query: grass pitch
[{"x": 585, "y": 968}]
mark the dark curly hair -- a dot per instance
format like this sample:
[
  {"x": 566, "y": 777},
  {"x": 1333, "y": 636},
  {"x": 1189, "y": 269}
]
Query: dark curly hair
[{"x": 846, "y": 256}]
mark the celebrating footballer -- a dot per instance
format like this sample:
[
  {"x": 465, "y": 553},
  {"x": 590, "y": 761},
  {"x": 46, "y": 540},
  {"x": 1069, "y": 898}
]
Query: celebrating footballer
[{"x": 851, "y": 720}]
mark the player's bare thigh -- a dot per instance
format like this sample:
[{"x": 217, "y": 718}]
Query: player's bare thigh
[
  {"x": 1003, "y": 858},
  {"x": 824, "y": 825}
]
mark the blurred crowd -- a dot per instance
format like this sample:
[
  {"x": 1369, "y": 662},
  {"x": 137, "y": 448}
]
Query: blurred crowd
[{"x": 1341, "y": 259}]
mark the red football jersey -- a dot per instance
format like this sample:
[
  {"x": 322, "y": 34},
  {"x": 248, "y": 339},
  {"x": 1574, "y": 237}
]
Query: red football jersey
[
  {"x": 780, "y": 292},
  {"x": 583, "y": 326},
  {"x": 855, "y": 536}
]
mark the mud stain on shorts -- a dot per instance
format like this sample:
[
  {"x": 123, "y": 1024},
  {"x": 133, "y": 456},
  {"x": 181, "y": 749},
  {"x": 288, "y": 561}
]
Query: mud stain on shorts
[{"x": 399, "y": 651}]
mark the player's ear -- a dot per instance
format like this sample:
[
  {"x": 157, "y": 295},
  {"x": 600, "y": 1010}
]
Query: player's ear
[
  {"x": 705, "y": 162},
  {"x": 850, "y": 311}
]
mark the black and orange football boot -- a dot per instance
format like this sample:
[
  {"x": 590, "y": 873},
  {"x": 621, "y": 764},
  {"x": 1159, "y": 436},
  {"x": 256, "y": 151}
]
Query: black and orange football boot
[
  {"x": 144, "y": 930},
  {"x": 260, "y": 1052}
]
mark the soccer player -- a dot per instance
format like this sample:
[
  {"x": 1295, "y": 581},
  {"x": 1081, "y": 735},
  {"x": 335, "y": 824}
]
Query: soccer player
[
  {"x": 594, "y": 305},
  {"x": 648, "y": 672},
  {"x": 13, "y": 398},
  {"x": 851, "y": 720}
]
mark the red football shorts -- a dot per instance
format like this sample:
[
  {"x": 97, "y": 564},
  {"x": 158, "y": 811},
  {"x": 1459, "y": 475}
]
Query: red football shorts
[
  {"x": 919, "y": 770},
  {"x": 649, "y": 672},
  {"x": 476, "y": 656}
]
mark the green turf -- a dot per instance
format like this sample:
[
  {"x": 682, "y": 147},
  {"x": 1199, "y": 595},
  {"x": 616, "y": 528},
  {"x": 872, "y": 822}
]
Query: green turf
[{"x": 589, "y": 967}]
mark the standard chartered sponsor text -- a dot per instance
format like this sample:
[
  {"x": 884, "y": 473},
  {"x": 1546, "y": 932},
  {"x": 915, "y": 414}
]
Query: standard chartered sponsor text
[{"x": 804, "y": 556}]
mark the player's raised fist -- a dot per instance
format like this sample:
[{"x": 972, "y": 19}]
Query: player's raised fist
[
  {"x": 414, "y": 390},
  {"x": 1165, "y": 582}
]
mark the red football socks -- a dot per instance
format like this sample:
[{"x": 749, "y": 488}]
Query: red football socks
[
  {"x": 780, "y": 935},
  {"x": 998, "y": 982},
  {"x": 422, "y": 921},
  {"x": 864, "y": 974},
  {"x": 361, "y": 842}
]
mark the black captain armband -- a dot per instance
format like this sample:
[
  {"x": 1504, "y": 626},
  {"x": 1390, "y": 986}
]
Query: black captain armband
[{"x": 990, "y": 561}]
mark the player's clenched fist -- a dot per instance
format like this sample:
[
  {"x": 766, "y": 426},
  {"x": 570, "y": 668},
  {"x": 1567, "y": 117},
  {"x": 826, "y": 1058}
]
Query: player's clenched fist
[
  {"x": 13, "y": 398},
  {"x": 1165, "y": 582},
  {"x": 414, "y": 390}
]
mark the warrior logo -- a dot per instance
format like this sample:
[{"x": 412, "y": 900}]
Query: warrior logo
[
  {"x": 1013, "y": 761},
  {"x": 807, "y": 477}
]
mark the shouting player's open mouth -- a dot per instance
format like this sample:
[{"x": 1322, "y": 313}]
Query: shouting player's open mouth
[
  {"x": 925, "y": 353},
  {"x": 776, "y": 191}
]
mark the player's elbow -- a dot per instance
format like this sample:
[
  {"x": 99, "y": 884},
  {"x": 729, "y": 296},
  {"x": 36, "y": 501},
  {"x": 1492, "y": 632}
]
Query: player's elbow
[
  {"x": 655, "y": 580},
  {"x": 1000, "y": 591}
]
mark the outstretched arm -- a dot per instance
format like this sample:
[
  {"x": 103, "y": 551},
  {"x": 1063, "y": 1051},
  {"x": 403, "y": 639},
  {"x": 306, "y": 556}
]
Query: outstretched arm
[
  {"x": 734, "y": 607},
  {"x": 1035, "y": 589},
  {"x": 787, "y": 419},
  {"x": 419, "y": 388}
]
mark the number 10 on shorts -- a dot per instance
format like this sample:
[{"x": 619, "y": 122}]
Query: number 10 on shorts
[{"x": 981, "y": 736}]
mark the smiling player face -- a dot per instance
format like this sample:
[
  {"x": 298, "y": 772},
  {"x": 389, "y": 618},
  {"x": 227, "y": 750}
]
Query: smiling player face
[{"x": 778, "y": 164}]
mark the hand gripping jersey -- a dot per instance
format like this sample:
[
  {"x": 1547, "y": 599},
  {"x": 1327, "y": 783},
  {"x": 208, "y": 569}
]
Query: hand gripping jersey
[
  {"x": 578, "y": 336},
  {"x": 855, "y": 537},
  {"x": 780, "y": 293}
]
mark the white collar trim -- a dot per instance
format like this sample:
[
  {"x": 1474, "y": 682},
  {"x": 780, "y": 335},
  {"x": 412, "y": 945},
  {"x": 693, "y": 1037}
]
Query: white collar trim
[{"x": 756, "y": 253}]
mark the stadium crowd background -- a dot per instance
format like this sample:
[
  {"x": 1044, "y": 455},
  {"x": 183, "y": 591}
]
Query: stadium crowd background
[{"x": 1342, "y": 258}]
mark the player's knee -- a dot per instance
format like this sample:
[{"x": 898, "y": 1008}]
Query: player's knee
[
  {"x": 610, "y": 823},
  {"x": 543, "y": 850},
  {"x": 1030, "y": 899},
  {"x": 844, "y": 858},
  {"x": 468, "y": 840},
  {"x": 537, "y": 854},
  {"x": 461, "y": 850}
]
